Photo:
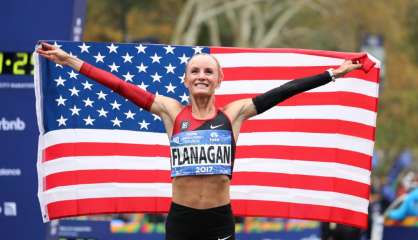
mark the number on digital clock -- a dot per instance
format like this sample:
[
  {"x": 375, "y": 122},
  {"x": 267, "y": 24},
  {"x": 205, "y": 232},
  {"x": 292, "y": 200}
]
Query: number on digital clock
[
  {"x": 1, "y": 62},
  {"x": 32, "y": 62},
  {"x": 16, "y": 63},
  {"x": 22, "y": 61}
]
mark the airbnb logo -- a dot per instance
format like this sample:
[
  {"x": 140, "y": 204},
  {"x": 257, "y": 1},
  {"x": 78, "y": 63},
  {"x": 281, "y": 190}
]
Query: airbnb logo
[{"x": 12, "y": 125}]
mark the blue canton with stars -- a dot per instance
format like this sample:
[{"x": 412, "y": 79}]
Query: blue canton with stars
[{"x": 71, "y": 100}]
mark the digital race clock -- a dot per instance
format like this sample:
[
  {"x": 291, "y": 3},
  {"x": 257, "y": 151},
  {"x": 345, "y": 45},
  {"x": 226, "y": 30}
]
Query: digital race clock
[{"x": 16, "y": 63}]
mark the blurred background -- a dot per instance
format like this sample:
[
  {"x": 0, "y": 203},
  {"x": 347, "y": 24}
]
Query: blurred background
[{"x": 386, "y": 29}]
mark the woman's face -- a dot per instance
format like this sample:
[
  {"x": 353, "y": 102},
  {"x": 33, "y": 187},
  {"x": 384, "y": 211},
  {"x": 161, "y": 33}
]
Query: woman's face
[{"x": 202, "y": 76}]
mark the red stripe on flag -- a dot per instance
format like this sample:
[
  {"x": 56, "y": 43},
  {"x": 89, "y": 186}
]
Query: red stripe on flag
[
  {"x": 91, "y": 206},
  {"x": 289, "y": 73},
  {"x": 309, "y": 125},
  {"x": 323, "y": 53},
  {"x": 315, "y": 154},
  {"x": 362, "y": 57},
  {"x": 313, "y": 98},
  {"x": 300, "y": 211},
  {"x": 226, "y": 50},
  {"x": 317, "y": 183},
  {"x": 270, "y": 73},
  {"x": 70, "y": 208},
  {"x": 240, "y": 178},
  {"x": 259, "y": 151},
  {"x": 105, "y": 176},
  {"x": 104, "y": 149}
]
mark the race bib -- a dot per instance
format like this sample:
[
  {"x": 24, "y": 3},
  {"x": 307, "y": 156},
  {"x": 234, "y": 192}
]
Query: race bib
[{"x": 202, "y": 152}]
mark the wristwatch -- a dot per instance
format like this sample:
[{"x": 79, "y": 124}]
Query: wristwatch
[{"x": 331, "y": 74}]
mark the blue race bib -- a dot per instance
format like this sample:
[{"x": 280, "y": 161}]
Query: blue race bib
[{"x": 201, "y": 152}]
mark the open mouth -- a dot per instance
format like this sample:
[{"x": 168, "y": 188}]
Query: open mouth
[{"x": 201, "y": 84}]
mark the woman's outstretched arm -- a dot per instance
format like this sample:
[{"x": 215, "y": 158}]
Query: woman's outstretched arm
[{"x": 243, "y": 109}]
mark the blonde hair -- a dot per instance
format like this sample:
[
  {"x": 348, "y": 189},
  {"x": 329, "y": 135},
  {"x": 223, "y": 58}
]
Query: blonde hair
[{"x": 220, "y": 72}]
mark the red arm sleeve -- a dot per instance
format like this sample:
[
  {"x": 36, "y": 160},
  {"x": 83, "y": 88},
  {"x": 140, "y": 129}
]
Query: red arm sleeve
[{"x": 135, "y": 94}]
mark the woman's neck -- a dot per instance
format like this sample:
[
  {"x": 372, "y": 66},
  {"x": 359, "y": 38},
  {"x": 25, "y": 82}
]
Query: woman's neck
[{"x": 203, "y": 107}]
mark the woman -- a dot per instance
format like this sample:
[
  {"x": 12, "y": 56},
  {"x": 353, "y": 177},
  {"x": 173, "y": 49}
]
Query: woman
[{"x": 202, "y": 137}]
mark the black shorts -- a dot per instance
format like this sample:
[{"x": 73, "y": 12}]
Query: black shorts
[{"x": 184, "y": 223}]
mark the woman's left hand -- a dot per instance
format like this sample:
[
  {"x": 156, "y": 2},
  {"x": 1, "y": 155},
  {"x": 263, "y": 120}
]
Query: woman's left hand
[{"x": 346, "y": 67}]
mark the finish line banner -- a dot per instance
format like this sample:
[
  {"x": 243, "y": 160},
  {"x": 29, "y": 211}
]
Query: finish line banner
[{"x": 309, "y": 157}]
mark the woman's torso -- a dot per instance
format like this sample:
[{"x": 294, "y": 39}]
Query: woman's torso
[{"x": 207, "y": 189}]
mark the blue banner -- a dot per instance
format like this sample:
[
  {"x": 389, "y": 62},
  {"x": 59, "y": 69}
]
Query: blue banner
[
  {"x": 398, "y": 232},
  {"x": 25, "y": 22},
  {"x": 139, "y": 227}
]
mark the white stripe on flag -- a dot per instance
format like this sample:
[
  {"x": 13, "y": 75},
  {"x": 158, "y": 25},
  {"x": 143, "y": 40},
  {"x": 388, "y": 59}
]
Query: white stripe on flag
[
  {"x": 312, "y": 168},
  {"x": 353, "y": 85},
  {"x": 248, "y": 192},
  {"x": 104, "y": 136},
  {"x": 105, "y": 162},
  {"x": 306, "y": 112},
  {"x": 302, "y": 196},
  {"x": 336, "y": 112},
  {"x": 274, "y": 60},
  {"x": 325, "y": 140},
  {"x": 107, "y": 190},
  {"x": 304, "y": 139}
]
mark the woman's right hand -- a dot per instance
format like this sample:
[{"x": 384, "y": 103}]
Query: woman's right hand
[{"x": 58, "y": 56}]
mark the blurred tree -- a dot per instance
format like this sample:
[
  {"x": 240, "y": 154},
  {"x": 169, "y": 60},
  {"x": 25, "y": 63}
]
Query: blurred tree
[
  {"x": 411, "y": 23},
  {"x": 130, "y": 20},
  {"x": 244, "y": 23},
  {"x": 398, "y": 102}
]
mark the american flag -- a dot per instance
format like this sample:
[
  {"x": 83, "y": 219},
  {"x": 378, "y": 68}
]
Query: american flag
[{"x": 309, "y": 157}]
